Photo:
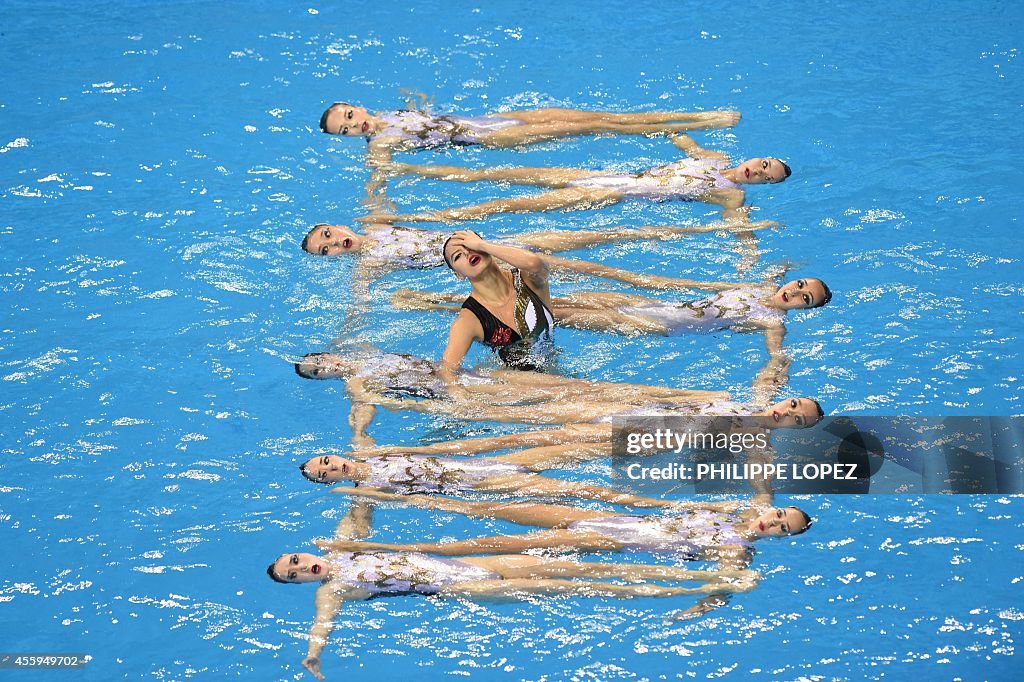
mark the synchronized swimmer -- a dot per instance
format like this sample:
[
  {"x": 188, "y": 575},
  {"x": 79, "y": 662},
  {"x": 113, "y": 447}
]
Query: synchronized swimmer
[
  {"x": 704, "y": 176},
  {"x": 390, "y": 131}
]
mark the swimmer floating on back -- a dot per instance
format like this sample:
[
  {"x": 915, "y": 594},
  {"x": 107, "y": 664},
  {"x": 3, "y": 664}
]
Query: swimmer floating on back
[
  {"x": 392, "y": 131},
  {"x": 704, "y": 176},
  {"x": 384, "y": 248},
  {"x": 515, "y": 473},
  {"x": 348, "y": 576},
  {"x": 374, "y": 378}
]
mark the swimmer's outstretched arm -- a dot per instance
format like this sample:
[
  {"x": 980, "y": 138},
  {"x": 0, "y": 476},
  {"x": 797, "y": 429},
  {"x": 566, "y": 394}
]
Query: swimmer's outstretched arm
[
  {"x": 360, "y": 416},
  {"x": 775, "y": 373},
  {"x": 328, "y": 601},
  {"x": 728, "y": 558},
  {"x": 690, "y": 147},
  {"x": 329, "y": 598}
]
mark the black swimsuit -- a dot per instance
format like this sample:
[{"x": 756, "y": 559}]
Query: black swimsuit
[{"x": 533, "y": 319}]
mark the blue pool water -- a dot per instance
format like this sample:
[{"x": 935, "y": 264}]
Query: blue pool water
[{"x": 160, "y": 162}]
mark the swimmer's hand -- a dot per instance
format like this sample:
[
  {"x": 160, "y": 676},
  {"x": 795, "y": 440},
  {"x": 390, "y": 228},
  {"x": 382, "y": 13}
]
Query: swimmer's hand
[
  {"x": 701, "y": 608},
  {"x": 312, "y": 664},
  {"x": 469, "y": 240},
  {"x": 692, "y": 613}
]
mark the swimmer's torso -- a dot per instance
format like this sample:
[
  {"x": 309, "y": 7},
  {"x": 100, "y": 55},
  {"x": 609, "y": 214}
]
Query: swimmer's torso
[
  {"x": 418, "y": 130},
  {"x": 732, "y": 308},
  {"x": 394, "y": 573},
  {"x": 408, "y": 474},
  {"x": 683, "y": 180},
  {"x": 529, "y": 344},
  {"x": 689, "y": 535}
]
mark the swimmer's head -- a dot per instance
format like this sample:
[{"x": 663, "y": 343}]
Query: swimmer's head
[
  {"x": 780, "y": 523},
  {"x": 299, "y": 568},
  {"x": 798, "y": 294},
  {"x": 328, "y": 469},
  {"x": 323, "y": 366},
  {"x": 342, "y": 118},
  {"x": 331, "y": 240},
  {"x": 762, "y": 171},
  {"x": 462, "y": 261},
  {"x": 794, "y": 413}
]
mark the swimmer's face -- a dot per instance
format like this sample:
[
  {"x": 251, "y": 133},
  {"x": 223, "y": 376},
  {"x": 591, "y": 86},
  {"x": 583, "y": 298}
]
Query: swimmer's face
[
  {"x": 332, "y": 240},
  {"x": 301, "y": 568},
  {"x": 779, "y": 522},
  {"x": 464, "y": 261},
  {"x": 323, "y": 366},
  {"x": 793, "y": 413},
  {"x": 799, "y": 294},
  {"x": 327, "y": 469},
  {"x": 345, "y": 119},
  {"x": 761, "y": 171}
]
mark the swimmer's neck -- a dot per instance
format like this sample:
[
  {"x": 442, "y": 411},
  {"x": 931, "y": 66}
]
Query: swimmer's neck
[
  {"x": 733, "y": 175},
  {"x": 358, "y": 471},
  {"x": 376, "y": 126},
  {"x": 492, "y": 286}
]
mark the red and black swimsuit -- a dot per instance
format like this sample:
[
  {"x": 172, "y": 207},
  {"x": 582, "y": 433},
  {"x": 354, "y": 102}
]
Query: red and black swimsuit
[{"x": 533, "y": 319}]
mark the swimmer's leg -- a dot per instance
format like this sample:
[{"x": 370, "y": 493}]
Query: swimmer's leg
[
  {"x": 640, "y": 279},
  {"x": 512, "y": 566},
  {"x": 561, "y": 456},
  {"x": 496, "y": 544},
  {"x": 532, "y": 484},
  {"x": 570, "y": 198},
  {"x": 565, "y": 240},
  {"x": 529, "y": 133},
  {"x": 497, "y": 589},
  {"x": 559, "y": 115},
  {"x": 522, "y": 175},
  {"x": 611, "y": 321},
  {"x": 542, "y": 515}
]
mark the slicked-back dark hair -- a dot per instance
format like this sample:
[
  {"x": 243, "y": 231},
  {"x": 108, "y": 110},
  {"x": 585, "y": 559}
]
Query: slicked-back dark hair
[
  {"x": 807, "y": 521},
  {"x": 827, "y": 294},
  {"x": 305, "y": 240},
  {"x": 273, "y": 575},
  {"x": 786, "y": 168},
  {"x": 327, "y": 112},
  {"x": 305, "y": 358}
]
